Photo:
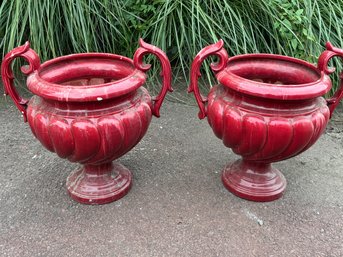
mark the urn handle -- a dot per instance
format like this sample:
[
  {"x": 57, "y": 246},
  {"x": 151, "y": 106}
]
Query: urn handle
[
  {"x": 214, "y": 49},
  {"x": 32, "y": 58},
  {"x": 323, "y": 61},
  {"x": 144, "y": 49}
]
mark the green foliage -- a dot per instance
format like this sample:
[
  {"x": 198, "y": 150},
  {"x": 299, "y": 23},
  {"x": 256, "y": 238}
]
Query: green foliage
[
  {"x": 179, "y": 27},
  {"x": 293, "y": 26},
  {"x": 140, "y": 13}
]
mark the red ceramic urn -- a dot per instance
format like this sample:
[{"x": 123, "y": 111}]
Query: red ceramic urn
[
  {"x": 266, "y": 108},
  {"x": 89, "y": 108}
]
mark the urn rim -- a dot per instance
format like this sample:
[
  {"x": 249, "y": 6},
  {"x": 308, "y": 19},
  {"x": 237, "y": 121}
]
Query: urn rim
[
  {"x": 88, "y": 63},
  {"x": 318, "y": 85}
]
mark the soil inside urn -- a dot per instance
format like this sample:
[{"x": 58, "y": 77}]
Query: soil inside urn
[
  {"x": 86, "y": 70},
  {"x": 274, "y": 70},
  {"x": 88, "y": 81}
]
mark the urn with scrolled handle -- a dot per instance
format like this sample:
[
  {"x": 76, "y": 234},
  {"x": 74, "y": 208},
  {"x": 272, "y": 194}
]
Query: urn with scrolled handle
[
  {"x": 266, "y": 108},
  {"x": 89, "y": 108}
]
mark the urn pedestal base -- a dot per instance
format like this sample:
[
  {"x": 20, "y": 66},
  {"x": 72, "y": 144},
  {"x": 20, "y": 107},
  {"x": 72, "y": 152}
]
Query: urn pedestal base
[
  {"x": 254, "y": 181},
  {"x": 99, "y": 184}
]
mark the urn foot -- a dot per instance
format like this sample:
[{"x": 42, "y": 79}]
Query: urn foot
[
  {"x": 253, "y": 181},
  {"x": 99, "y": 184}
]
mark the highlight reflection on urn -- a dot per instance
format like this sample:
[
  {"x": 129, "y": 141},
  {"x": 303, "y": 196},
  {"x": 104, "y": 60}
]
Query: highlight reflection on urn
[
  {"x": 90, "y": 108},
  {"x": 266, "y": 108}
]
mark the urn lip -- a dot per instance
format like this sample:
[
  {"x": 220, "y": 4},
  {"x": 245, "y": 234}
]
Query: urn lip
[
  {"x": 53, "y": 79},
  {"x": 302, "y": 79}
]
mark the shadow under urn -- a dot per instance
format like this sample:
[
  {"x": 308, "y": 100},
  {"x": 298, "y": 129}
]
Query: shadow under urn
[
  {"x": 90, "y": 108},
  {"x": 266, "y": 108}
]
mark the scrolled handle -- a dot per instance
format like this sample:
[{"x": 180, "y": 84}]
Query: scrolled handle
[
  {"x": 144, "y": 49},
  {"x": 32, "y": 58},
  {"x": 214, "y": 49},
  {"x": 323, "y": 61}
]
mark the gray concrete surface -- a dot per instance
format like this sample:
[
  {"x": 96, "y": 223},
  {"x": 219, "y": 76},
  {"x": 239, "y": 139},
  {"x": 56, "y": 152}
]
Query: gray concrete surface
[{"x": 177, "y": 206}]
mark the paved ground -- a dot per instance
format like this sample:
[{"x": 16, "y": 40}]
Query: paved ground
[{"x": 177, "y": 206}]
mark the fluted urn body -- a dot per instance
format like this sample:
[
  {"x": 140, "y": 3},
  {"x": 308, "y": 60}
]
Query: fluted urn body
[
  {"x": 90, "y": 109},
  {"x": 266, "y": 108}
]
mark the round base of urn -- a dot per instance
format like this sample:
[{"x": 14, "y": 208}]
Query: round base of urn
[
  {"x": 99, "y": 184},
  {"x": 253, "y": 181}
]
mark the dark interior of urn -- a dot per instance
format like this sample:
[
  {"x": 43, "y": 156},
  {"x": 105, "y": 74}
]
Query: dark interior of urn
[
  {"x": 274, "y": 71},
  {"x": 85, "y": 71}
]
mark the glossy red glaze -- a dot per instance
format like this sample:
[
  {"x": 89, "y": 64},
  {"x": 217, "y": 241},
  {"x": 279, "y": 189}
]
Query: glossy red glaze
[
  {"x": 267, "y": 108},
  {"x": 254, "y": 181},
  {"x": 89, "y": 108}
]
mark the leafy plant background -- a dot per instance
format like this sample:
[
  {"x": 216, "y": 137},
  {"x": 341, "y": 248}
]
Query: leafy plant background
[{"x": 182, "y": 28}]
